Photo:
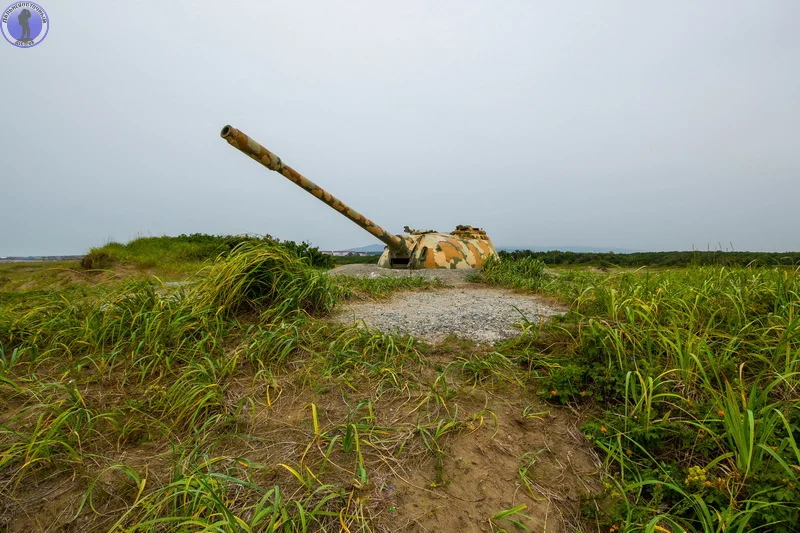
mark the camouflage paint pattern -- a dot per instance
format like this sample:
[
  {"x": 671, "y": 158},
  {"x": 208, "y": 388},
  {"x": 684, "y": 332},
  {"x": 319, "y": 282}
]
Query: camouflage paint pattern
[
  {"x": 466, "y": 247},
  {"x": 251, "y": 148}
]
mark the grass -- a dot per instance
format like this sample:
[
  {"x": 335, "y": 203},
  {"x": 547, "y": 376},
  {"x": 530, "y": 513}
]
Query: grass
[
  {"x": 356, "y": 259},
  {"x": 382, "y": 287},
  {"x": 694, "y": 374},
  {"x": 228, "y": 402},
  {"x": 154, "y": 407},
  {"x": 181, "y": 256},
  {"x": 24, "y": 280}
]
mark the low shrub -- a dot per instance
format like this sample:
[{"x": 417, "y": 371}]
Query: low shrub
[
  {"x": 96, "y": 259},
  {"x": 525, "y": 273},
  {"x": 265, "y": 276}
]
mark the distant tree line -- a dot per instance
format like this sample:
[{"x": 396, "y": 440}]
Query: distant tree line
[
  {"x": 356, "y": 259},
  {"x": 637, "y": 259}
]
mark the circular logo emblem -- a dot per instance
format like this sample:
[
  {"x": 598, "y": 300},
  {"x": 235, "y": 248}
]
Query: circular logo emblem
[{"x": 25, "y": 24}]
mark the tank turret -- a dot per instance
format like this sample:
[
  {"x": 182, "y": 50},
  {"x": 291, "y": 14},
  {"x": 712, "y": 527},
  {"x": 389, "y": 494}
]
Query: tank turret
[{"x": 465, "y": 247}]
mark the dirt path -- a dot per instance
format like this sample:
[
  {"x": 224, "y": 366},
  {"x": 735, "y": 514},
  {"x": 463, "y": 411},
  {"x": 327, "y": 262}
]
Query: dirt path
[
  {"x": 518, "y": 453},
  {"x": 483, "y": 314}
]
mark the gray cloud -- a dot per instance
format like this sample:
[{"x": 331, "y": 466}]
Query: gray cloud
[{"x": 617, "y": 124}]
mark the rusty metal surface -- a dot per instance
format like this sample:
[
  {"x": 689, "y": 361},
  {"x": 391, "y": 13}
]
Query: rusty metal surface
[{"x": 251, "y": 148}]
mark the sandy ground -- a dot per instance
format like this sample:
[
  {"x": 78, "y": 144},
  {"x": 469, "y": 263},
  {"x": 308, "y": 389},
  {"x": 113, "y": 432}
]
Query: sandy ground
[{"x": 483, "y": 314}]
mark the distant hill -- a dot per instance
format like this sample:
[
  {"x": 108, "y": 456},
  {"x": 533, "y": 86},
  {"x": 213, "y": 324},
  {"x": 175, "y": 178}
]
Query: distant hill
[
  {"x": 34, "y": 258},
  {"x": 576, "y": 249},
  {"x": 378, "y": 248},
  {"x": 370, "y": 249}
]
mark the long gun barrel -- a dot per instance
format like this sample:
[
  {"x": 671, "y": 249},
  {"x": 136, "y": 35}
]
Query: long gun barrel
[{"x": 249, "y": 147}]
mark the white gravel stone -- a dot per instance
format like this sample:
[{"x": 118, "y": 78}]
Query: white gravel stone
[
  {"x": 454, "y": 276},
  {"x": 483, "y": 314}
]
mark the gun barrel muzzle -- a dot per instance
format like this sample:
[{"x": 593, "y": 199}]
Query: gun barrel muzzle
[{"x": 254, "y": 150}]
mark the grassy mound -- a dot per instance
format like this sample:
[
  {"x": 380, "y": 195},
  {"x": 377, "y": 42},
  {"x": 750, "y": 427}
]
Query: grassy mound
[
  {"x": 206, "y": 405},
  {"x": 185, "y": 253},
  {"x": 695, "y": 373},
  {"x": 264, "y": 277},
  {"x": 225, "y": 403}
]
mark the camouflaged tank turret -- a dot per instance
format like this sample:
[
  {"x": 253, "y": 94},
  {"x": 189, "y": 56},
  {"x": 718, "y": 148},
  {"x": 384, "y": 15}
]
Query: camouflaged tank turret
[{"x": 465, "y": 247}]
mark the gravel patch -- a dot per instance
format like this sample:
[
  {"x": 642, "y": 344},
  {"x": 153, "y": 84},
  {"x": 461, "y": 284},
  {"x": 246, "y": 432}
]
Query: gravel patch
[
  {"x": 451, "y": 277},
  {"x": 483, "y": 314}
]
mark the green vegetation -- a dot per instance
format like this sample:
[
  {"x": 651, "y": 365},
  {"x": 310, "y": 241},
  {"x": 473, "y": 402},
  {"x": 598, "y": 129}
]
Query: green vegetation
[
  {"x": 670, "y": 259},
  {"x": 695, "y": 377},
  {"x": 220, "y": 404},
  {"x": 21, "y": 277},
  {"x": 356, "y": 259},
  {"x": 524, "y": 273},
  {"x": 382, "y": 287},
  {"x": 227, "y": 402},
  {"x": 184, "y": 254}
]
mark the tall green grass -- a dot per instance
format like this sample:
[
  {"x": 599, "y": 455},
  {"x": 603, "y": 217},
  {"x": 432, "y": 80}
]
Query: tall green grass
[
  {"x": 525, "y": 273},
  {"x": 184, "y": 253},
  {"x": 160, "y": 404},
  {"x": 87, "y": 379},
  {"x": 696, "y": 372},
  {"x": 140, "y": 336}
]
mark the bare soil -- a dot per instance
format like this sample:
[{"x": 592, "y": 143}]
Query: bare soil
[
  {"x": 482, "y": 476},
  {"x": 509, "y": 450},
  {"x": 516, "y": 451},
  {"x": 520, "y": 452}
]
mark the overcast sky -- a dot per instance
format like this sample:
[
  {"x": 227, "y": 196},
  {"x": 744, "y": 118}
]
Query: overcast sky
[{"x": 640, "y": 125}]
